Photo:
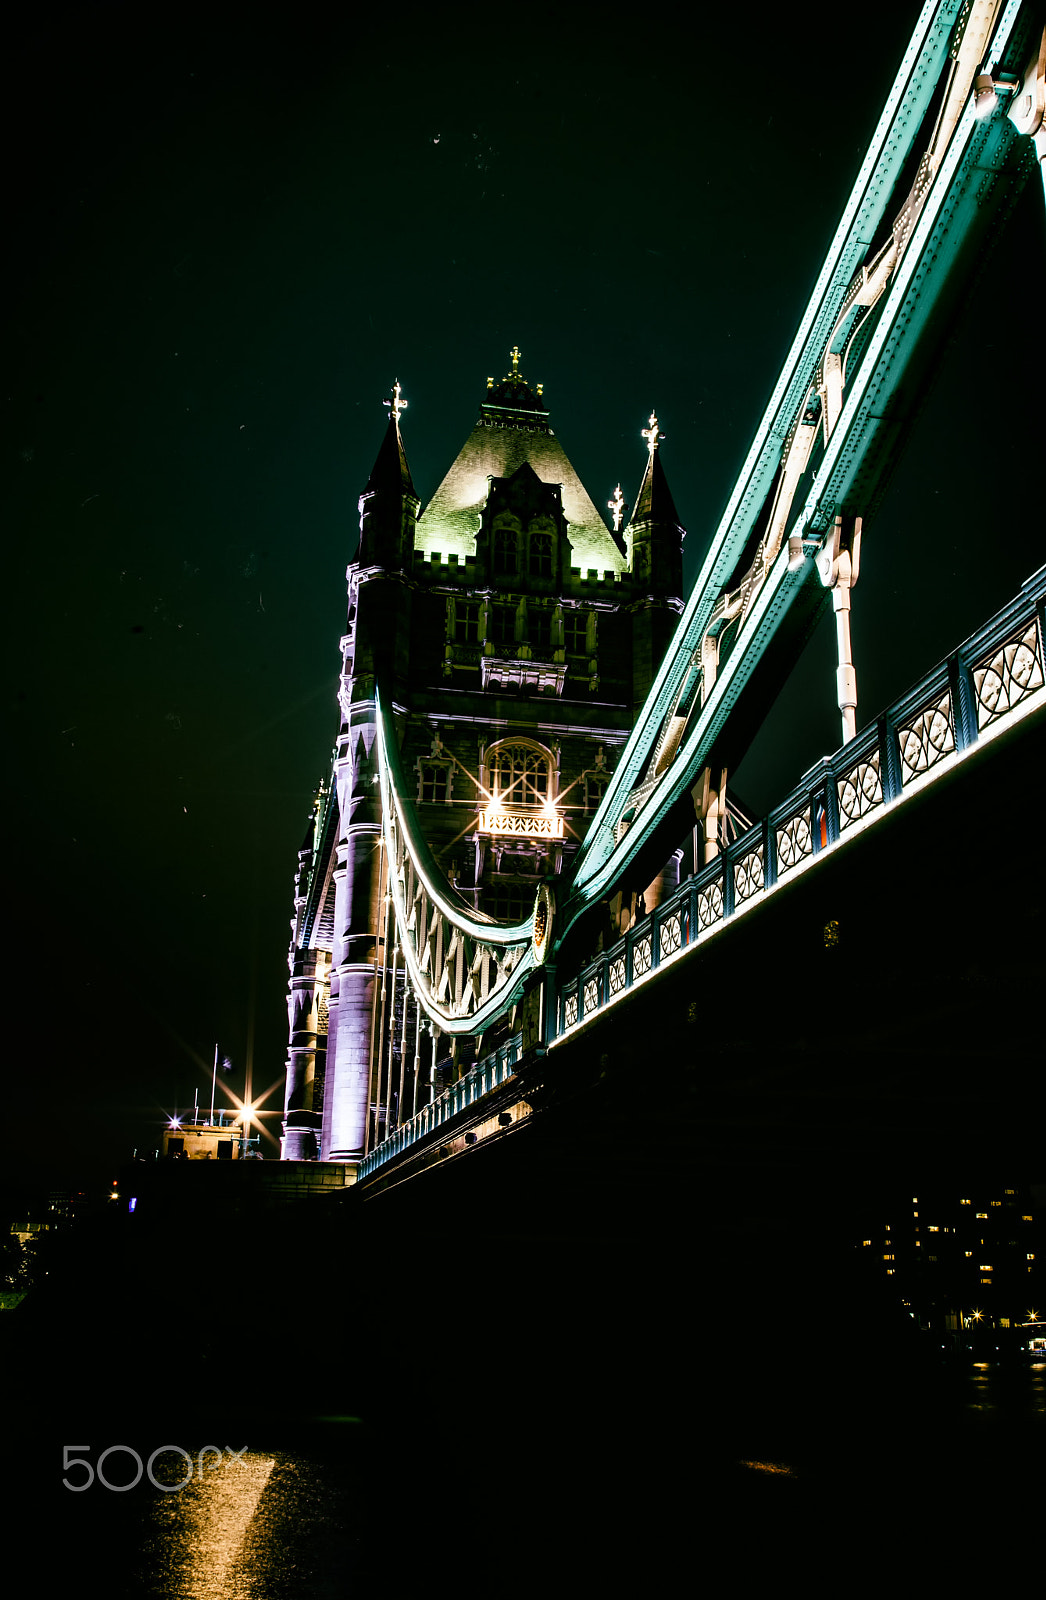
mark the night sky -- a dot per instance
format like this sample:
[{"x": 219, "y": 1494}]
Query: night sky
[{"x": 231, "y": 233}]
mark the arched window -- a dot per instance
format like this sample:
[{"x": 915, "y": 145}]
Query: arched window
[
  {"x": 520, "y": 779},
  {"x": 520, "y": 775}
]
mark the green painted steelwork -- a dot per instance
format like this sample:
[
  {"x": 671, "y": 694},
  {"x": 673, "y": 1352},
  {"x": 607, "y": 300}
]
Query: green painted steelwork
[
  {"x": 974, "y": 159},
  {"x": 948, "y": 214}
]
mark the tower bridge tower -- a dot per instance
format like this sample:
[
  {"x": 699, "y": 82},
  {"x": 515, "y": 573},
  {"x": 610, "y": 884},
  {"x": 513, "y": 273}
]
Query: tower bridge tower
[{"x": 515, "y": 638}]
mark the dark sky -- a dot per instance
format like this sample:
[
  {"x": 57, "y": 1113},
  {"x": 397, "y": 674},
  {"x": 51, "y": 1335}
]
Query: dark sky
[{"x": 230, "y": 234}]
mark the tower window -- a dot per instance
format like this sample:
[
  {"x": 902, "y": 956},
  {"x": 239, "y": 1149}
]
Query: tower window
[
  {"x": 466, "y": 621},
  {"x": 433, "y": 780},
  {"x": 540, "y": 563},
  {"x": 503, "y": 625},
  {"x": 539, "y": 629},
  {"x": 506, "y": 551},
  {"x": 509, "y": 902},
  {"x": 595, "y": 788},
  {"x": 519, "y": 775},
  {"x": 575, "y": 632}
]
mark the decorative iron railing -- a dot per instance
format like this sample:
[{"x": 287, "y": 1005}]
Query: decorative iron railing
[
  {"x": 982, "y": 688},
  {"x": 494, "y": 1070}
]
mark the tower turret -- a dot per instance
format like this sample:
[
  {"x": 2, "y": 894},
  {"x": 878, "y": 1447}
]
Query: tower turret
[
  {"x": 654, "y": 536},
  {"x": 388, "y": 505},
  {"x": 654, "y": 545}
]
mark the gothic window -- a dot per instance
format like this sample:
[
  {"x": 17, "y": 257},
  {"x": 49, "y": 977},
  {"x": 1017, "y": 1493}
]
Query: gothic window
[
  {"x": 509, "y": 902},
  {"x": 540, "y": 562},
  {"x": 539, "y": 629},
  {"x": 433, "y": 780},
  {"x": 506, "y": 552},
  {"x": 466, "y": 621},
  {"x": 503, "y": 625},
  {"x": 595, "y": 788},
  {"x": 595, "y": 780},
  {"x": 575, "y": 632},
  {"x": 520, "y": 775}
]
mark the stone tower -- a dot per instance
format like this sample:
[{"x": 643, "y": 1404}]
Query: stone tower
[{"x": 514, "y": 636}]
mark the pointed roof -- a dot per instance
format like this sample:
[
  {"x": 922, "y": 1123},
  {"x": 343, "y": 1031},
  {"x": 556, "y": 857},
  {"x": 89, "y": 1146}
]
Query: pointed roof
[
  {"x": 512, "y": 428},
  {"x": 654, "y": 501},
  {"x": 390, "y": 471}
]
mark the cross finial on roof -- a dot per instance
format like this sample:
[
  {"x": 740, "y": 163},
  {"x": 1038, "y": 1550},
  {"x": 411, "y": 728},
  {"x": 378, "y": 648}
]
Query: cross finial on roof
[
  {"x": 396, "y": 405},
  {"x": 516, "y": 354},
  {"x": 617, "y": 507},
  {"x": 652, "y": 434}
]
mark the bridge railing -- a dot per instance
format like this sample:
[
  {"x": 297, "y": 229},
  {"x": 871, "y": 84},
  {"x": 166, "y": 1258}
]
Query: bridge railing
[
  {"x": 486, "y": 1075},
  {"x": 979, "y": 690}
]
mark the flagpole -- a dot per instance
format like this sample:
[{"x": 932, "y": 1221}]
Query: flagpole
[{"x": 214, "y": 1075}]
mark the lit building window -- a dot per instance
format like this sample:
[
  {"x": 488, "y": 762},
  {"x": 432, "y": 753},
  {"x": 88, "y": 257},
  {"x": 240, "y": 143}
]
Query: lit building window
[
  {"x": 519, "y": 785},
  {"x": 519, "y": 775},
  {"x": 930, "y": 1228},
  {"x": 964, "y": 1202}
]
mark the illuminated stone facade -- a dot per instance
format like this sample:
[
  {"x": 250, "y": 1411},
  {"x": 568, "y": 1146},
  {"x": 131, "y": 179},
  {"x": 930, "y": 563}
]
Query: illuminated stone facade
[{"x": 514, "y": 637}]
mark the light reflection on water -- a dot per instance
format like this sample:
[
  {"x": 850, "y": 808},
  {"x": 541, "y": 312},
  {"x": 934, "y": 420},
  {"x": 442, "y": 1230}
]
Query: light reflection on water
[
  {"x": 202, "y": 1530},
  {"x": 260, "y": 1526},
  {"x": 994, "y": 1388}
]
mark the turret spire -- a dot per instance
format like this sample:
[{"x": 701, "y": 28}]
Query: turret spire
[
  {"x": 390, "y": 471},
  {"x": 652, "y": 433},
  {"x": 654, "y": 536},
  {"x": 396, "y": 405}
]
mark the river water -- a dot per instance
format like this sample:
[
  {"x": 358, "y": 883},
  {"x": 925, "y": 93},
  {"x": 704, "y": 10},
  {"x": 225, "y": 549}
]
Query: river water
[{"x": 335, "y": 1506}]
